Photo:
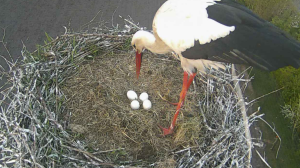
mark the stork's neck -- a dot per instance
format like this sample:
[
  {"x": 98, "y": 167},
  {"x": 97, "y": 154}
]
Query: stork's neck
[{"x": 154, "y": 43}]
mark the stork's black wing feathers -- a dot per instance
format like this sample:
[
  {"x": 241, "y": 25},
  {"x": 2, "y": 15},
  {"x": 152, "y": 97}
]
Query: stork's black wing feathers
[{"x": 255, "y": 41}]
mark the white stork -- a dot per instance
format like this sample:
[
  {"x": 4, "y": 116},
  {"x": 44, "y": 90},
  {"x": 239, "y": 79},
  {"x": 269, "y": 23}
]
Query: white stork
[{"x": 204, "y": 31}]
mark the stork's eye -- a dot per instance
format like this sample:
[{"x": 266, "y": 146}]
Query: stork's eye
[{"x": 134, "y": 46}]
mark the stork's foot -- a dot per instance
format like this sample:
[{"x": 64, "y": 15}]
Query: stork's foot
[
  {"x": 166, "y": 131},
  {"x": 175, "y": 104}
]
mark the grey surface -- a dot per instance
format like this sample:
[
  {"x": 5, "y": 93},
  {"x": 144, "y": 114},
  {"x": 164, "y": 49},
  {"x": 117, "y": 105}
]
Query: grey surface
[{"x": 28, "y": 21}]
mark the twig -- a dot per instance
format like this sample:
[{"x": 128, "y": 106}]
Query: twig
[
  {"x": 275, "y": 133},
  {"x": 112, "y": 17},
  {"x": 48, "y": 112},
  {"x": 4, "y": 45},
  {"x": 129, "y": 137},
  {"x": 263, "y": 159},
  {"x": 90, "y": 163},
  {"x": 56, "y": 84},
  {"x": 95, "y": 35},
  {"x": 111, "y": 150},
  {"x": 241, "y": 102},
  {"x": 132, "y": 24},
  {"x": 274, "y": 143},
  {"x": 91, "y": 21},
  {"x": 84, "y": 152},
  {"x": 247, "y": 103}
]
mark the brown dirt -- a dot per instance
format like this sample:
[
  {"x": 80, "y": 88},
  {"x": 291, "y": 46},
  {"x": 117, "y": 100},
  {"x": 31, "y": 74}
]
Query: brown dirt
[{"x": 101, "y": 113}]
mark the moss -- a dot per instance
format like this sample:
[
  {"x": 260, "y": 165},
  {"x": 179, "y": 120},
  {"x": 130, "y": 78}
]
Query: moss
[{"x": 267, "y": 9}]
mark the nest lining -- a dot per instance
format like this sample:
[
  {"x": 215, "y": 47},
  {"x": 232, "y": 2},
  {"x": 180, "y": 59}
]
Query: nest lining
[{"x": 99, "y": 105}]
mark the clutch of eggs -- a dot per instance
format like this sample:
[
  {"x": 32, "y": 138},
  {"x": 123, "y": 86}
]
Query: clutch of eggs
[{"x": 143, "y": 97}]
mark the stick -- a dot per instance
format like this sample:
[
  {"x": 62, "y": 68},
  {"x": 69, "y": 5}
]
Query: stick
[
  {"x": 96, "y": 35},
  {"x": 263, "y": 159},
  {"x": 275, "y": 133},
  {"x": 274, "y": 143},
  {"x": 84, "y": 152},
  {"x": 247, "y": 103},
  {"x": 241, "y": 102}
]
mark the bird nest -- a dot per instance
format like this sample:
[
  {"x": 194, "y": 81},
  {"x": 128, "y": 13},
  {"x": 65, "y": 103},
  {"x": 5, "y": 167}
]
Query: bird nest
[{"x": 66, "y": 106}]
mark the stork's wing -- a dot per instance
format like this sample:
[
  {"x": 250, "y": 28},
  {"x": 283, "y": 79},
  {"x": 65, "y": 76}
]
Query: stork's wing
[
  {"x": 179, "y": 23},
  {"x": 254, "y": 41}
]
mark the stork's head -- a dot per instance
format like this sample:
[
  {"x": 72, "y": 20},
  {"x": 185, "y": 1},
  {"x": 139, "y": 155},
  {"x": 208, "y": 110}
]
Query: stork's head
[
  {"x": 138, "y": 42},
  {"x": 142, "y": 40}
]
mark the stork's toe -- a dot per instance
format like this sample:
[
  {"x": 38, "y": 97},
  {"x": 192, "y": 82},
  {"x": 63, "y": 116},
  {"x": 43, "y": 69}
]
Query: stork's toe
[{"x": 166, "y": 131}]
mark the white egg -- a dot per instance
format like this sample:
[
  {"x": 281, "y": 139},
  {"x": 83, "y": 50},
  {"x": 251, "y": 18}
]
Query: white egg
[
  {"x": 147, "y": 104},
  {"x": 135, "y": 105},
  {"x": 131, "y": 95},
  {"x": 144, "y": 96}
]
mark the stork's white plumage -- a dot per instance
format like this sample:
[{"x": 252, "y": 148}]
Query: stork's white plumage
[
  {"x": 179, "y": 23},
  {"x": 204, "y": 31}
]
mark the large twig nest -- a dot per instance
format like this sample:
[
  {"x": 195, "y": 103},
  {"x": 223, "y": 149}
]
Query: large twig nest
[{"x": 66, "y": 106}]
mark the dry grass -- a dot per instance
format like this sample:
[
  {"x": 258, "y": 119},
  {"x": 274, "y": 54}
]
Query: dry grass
[{"x": 100, "y": 107}]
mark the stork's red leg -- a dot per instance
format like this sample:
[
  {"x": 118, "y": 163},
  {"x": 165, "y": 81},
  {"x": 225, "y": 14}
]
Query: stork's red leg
[
  {"x": 191, "y": 78},
  {"x": 185, "y": 87}
]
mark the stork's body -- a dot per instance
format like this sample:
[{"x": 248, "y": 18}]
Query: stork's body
[{"x": 206, "y": 32}]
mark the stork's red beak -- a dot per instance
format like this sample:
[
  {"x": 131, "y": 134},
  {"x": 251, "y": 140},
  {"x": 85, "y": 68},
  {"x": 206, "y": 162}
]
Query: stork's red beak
[{"x": 138, "y": 61}]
